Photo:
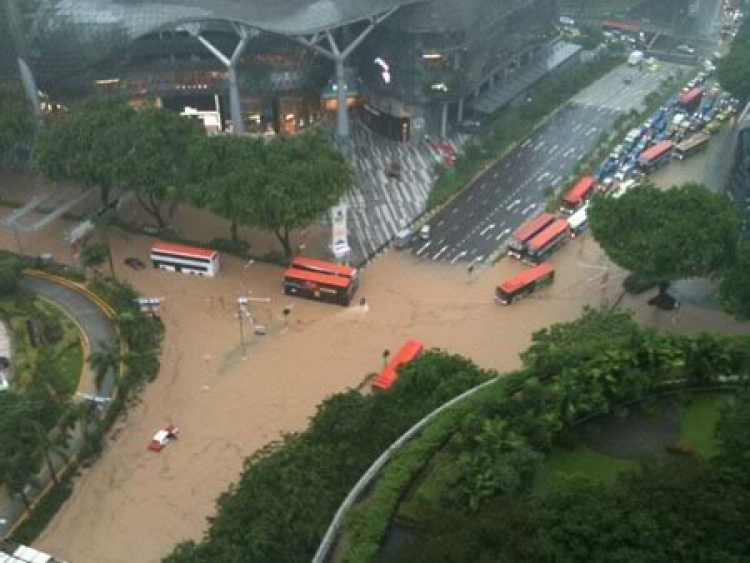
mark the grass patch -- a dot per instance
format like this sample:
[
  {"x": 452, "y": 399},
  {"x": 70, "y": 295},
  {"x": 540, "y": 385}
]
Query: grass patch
[
  {"x": 580, "y": 461},
  {"x": 698, "y": 419}
]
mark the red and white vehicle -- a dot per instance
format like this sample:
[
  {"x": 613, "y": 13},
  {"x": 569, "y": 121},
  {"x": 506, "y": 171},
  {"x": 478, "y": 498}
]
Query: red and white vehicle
[{"x": 163, "y": 437}]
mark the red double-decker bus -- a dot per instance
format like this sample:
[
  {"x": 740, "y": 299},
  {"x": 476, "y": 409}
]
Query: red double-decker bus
[
  {"x": 576, "y": 196},
  {"x": 525, "y": 283},
  {"x": 527, "y": 231},
  {"x": 545, "y": 243},
  {"x": 407, "y": 353},
  {"x": 321, "y": 287}
]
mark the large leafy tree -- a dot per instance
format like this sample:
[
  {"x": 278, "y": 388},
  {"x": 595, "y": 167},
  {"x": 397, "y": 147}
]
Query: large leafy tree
[
  {"x": 16, "y": 121},
  {"x": 666, "y": 235},
  {"x": 154, "y": 164},
  {"x": 734, "y": 68},
  {"x": 734, "y": 290},
  {"x": 305, "y": 176},
  {"x": 86, "y": 147},
  {"x": 226, "y": 176}
]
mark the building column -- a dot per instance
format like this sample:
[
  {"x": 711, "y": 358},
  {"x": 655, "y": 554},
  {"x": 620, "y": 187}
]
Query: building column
[
  {"x": 32, "y": 93},
  {"x": 460, "y": 116},
  {"x": 342, "y": 110},
  {"x": 444, "y": 121}
]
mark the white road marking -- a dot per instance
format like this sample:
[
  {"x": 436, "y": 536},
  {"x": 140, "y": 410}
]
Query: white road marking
[
  {"x": 529, "y": 208},
  {"x": 425, "y": 247},
  {"x": 512, "y": 205},
  {"x": 440, "y": 252},
  {"x": 501, "y": 235},
  {"x": 487, "y": 228},
  {"x": 458, "y": 256}
]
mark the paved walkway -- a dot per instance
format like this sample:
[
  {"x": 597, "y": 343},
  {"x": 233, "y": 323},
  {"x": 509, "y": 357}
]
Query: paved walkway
[{"x": 97, "y": 329}]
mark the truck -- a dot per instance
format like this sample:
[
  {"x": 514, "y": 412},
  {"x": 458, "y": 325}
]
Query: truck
[{"x": 635, "y": 58}]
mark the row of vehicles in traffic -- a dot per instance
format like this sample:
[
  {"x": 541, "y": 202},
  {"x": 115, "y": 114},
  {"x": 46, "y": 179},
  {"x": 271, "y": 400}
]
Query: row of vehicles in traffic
[{"x": 676, "y": 130}]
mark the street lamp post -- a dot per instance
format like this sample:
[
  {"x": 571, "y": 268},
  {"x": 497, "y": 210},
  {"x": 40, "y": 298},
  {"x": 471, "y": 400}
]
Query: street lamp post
[{"x": 241, "y": 313}]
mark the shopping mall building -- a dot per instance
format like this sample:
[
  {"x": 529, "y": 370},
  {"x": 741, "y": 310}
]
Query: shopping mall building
[{"x": 406, "y": 67}]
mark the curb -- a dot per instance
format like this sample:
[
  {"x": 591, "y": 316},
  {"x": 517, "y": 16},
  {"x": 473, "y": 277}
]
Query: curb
[{"x": 65, "y": 282}]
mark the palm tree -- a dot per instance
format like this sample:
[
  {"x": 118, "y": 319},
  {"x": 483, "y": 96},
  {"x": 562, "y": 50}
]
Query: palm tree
[
  {"x": 48, "y": 442},
  {"x": 104, "y": 360}
]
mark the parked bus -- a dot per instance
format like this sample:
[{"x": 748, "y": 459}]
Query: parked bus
[
  {"x": 691, "y": 145},
  {"x": 578, "y": 221},
  {"x": 186, "y": 259},
  {"x": 322, "y": 287},
  {"x": 407, "y": 353},
  {"x": 324, "y": 267},
  {"x": 527, "y": 231},
  {"x": 546, "y": 242},
  {"x": 655, "y": 156},
  {"x": 622, "y": 27},
  {"x": 576, "y": 196},
  {"x": 525, "y": 283},
  {"x": 691, "y": 98}
]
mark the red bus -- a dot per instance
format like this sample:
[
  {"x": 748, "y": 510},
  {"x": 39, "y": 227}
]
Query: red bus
[
  {"x": 621, "y": 26},
  {"x": 576, "y": 196},
  {"x": 691, "y": 97},
  {"x": 545, "y": 243},
  {"x": 322, "y": 287},
  {"x": 525, "y": 283},
  {"x": 655, "y": 156},
  {"x": 323, "y": 266},
  {"x": 407, "y": 353},
  {"x": 527, "y": 231},
  {"x": 175, "y": 257}
]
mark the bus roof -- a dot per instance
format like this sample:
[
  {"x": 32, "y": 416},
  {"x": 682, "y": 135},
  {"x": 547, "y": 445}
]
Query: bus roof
[
  {"x": 579, "y": 217},
  {"x": 533, "y": 226},
  {"x": 656, "y": 151},
  {"x": 408, "y": 352},
  {"x": 694, "y": 141},
  {"x": 324, "y": 266},
  {"x": 548, "y": 234},
  {"x": 184, "y": 249},
  {"x": 690, "y": 96},
  {"x": 527, "y": 276},
  {"x": 622, "y": 26},
  {"x": 579, "y": 190},
  {"x": 316, "y": 277}
]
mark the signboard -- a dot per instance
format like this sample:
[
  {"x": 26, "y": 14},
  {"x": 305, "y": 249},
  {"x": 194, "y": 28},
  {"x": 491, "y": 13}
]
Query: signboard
[{"x": 339, "y": 234}]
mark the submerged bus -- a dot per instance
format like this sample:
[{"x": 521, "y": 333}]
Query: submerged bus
[
  {"x": 576, "y": 196},
  {"x": 325, "y": 267},
  {"x": 407, "y": 353},
  {"x": 578, "y": 221},
  {"x": 527, "y": 231},
  {"x": 321, "y": 287},
  {"x": 525, "y": 283},
  {"x": 186, "y": 259},
  {"x": 692, "y": 145},
  {"x": 546, "y": 242},
  {"x": 655, "y": 156}
]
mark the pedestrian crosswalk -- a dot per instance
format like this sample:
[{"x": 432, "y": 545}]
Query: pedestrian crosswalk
[{"x": 381, "y": 205}]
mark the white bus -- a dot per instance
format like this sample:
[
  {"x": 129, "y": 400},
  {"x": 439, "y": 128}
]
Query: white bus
[
  {"x": 186, "y": 259},
  {"x": 578, "y": 221}
]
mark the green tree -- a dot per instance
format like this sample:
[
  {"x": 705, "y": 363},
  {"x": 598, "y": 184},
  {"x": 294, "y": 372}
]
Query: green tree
[
  {"x": 227, "y": 174},
  {"x": 733, "y": 69},
  {"x": 734, "y": 291},
  {"x": 93, "y": 254},
  {"x": 106, "y": 359},
  {"x": 155, "y": 164},
  {"x": 11, "y": 270},
  {"x": 16, "y": 121},
  {"x": 86, "y": 147},
  {"x": 305, "y": 176},
  {"x": 666, "y": 235}
]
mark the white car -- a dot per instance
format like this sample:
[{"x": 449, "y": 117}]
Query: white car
[
  {"x": 163, "y": 437},
  {"x": 424, "y": 232}
]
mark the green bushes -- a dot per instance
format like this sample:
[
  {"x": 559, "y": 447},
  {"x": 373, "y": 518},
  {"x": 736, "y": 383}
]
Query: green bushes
[{"x": 289, "y": 491}]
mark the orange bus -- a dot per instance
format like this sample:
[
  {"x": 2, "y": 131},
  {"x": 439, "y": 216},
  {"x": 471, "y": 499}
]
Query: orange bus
[
  {"x": 323, "y": 266},
  {"x": 545, "y": 243},
  {"x": 525, "y": 283},
  {"x": 407, "y": 353},
  {"x": 322, "y": 287},
  {"x": 576, "y": 196},
  {"x": 527, "y": 231}
]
